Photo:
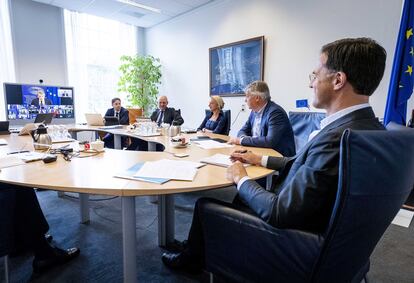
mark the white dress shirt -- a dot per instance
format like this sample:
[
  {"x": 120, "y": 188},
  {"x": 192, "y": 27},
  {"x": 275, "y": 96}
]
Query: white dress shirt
[
  {"x": 324, "y": 122},
  {"x": 256, "y": 128}
]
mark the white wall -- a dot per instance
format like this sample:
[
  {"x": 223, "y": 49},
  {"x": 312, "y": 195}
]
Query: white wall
[
  {"x": 39, "y": 42},
  {"x": 294, "y": 32}
]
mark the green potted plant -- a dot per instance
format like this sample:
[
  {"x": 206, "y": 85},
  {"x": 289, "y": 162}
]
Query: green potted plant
[{"x": 140, "y": 78}]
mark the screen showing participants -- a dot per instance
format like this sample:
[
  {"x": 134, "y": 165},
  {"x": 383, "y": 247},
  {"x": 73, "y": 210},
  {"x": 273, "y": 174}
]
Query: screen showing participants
[{"x": 26, "y": 101}]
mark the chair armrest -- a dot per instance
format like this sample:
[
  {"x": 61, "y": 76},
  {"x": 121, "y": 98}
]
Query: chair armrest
[{"x": 241, "y": 246}]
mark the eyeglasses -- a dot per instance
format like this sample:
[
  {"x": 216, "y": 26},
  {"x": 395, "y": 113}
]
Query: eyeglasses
[{"x": 312, "y": 77}]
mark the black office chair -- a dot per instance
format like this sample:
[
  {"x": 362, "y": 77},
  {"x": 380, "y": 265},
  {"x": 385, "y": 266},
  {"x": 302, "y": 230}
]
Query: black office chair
[
  {"x": 303, "y": 124},
  {"x": 375, "y": 177},
  {"x": 6, "y": 241},
  {"x": 392, "y": 126},
  {"x": 227, "y": 116}
]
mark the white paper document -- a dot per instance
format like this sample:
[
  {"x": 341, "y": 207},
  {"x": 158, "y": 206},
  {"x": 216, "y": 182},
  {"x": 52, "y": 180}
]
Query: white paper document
[
  {"x": 10, "y": 161},
  {"x": 31, "y": 156},
  {"x": 169, "y": 169},
  {"x": 188, "y": 163},
  {"x": 403, "y": 218},
  {"x": 211, "y": 144},
  {"x": 3, "y": 142},
  {"x": 219, "y": 160}
]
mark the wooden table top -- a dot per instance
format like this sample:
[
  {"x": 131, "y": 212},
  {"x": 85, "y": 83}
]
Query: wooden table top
[{"x": 95, "y": 175}]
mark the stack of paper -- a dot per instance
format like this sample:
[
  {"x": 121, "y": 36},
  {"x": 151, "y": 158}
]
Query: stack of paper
[
  {"x": 9, "y": 161},
  {"x": 3, "y": 142},
  {"x": 211, "y": 144},
  {"x": 169, "y": 169},
  {"x": 403, "y": 218},
  {"x": 61, "y": 140},
  {"x": 31, "y": 156},
  {"x": 130, "y": 172},
  {"x": 219, "y": 160}
]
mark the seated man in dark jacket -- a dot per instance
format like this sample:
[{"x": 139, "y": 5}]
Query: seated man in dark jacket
[
  {"x": 348, "y": 73},
  {"x": 163, "y": 114},
  {"x": 166, "y": 114},
  {"x": 268, "y": 124},
  {"x": 25, "y": 226},
  {"x": 123, "y": 116}
]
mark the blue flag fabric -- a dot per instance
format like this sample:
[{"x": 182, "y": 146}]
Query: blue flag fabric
[{"x": 401, "y": 83}]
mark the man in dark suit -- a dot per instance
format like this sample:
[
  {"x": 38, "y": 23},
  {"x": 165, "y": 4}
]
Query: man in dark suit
[
  {"x": 348, "y": 73},
  {"x": 163, "y": 114},
  {"x": 23, "y": 227},
  {"x": 123, "y": 116},
  {"x": 118, "y": 111},
  {"x": 166, "y": 114},
  {"x": 41, "y": 99},
  {"x": 268, "y": 124}
]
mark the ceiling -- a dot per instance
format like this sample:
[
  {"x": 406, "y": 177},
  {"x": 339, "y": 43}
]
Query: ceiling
[{"x": 114, "y": 9}]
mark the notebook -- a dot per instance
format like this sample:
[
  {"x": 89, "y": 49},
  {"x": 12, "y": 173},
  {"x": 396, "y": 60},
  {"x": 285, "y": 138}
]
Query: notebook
[{"x": 130, "y": 172}]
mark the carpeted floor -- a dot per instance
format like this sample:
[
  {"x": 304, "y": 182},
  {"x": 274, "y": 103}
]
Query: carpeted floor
[{"x": 101, "y": 243}]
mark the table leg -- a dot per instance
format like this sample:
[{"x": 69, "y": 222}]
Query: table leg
[
  {"x": 166, "y": 220},
  {"x": 6, "y": 269},
  {"x": 74, "y": 135},
  {"x": 129, "y": 242},
  {"x": 152, "y": 146},
  {"x": 84, "y": 208},
  {"x": 117, "y": 142}
]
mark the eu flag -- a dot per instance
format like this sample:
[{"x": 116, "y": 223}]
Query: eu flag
[{"x": 401, "y": 84}]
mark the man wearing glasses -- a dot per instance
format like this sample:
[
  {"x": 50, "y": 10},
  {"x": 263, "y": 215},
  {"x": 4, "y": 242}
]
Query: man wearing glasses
[
  {"x": 268, "y": 124},
  {"x": 349, "y": 71}
]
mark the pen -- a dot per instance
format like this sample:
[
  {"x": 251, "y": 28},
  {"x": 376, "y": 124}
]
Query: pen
[{"x": 15, "y": 152}]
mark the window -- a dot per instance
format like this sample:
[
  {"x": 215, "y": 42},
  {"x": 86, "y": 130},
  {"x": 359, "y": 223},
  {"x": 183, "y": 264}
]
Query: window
[
  {"x": 7, "y": 73},
  {"x": 94, "y": 46}
]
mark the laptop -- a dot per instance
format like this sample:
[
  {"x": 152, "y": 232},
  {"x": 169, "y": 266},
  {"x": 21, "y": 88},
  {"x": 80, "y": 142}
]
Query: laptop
[
  {"x": 111, "y": 121},
  {"x": 45, "y": 118},
  {"x": 94, "y": 119},
  {"x": 4, "y": 128}
]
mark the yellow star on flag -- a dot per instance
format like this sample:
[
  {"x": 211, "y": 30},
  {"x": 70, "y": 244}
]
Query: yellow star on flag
[
  {"x": 412, "y": 51},
  {"x": 409, "y": 33},
  {"x": 409, "y": 69}
]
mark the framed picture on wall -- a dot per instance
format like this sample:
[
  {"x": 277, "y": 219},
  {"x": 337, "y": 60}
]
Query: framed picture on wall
[{"x": 233, "y": 66}]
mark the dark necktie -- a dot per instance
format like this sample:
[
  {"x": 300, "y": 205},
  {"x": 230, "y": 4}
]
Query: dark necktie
[
  {"x": 117, "y": 115},
  {"x": 159, "y": 121}
]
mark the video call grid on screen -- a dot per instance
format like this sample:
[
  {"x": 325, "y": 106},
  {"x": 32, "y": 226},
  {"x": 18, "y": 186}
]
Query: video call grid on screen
[{"x": 25, "y": 101}]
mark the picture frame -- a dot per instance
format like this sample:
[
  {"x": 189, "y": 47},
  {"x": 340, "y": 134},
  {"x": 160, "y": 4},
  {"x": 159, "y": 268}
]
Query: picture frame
[{"x": 234, "y": 65}]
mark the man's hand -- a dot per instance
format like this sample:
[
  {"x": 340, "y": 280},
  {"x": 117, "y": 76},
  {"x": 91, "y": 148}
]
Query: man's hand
[
  {"x": 235, "y": 172},
  {"x": 233, "y": 140},
  {"x": 246, "y": 157}
]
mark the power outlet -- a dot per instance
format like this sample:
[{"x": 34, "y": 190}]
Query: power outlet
[{"x": 243, "y": 107}]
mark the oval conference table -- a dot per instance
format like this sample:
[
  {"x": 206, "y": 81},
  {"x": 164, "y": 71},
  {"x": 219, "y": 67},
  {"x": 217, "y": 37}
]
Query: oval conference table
[{"x": 95, "y": 175}]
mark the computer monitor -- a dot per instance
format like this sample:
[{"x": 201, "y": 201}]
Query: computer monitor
[{"x": 25, "y": 101}]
